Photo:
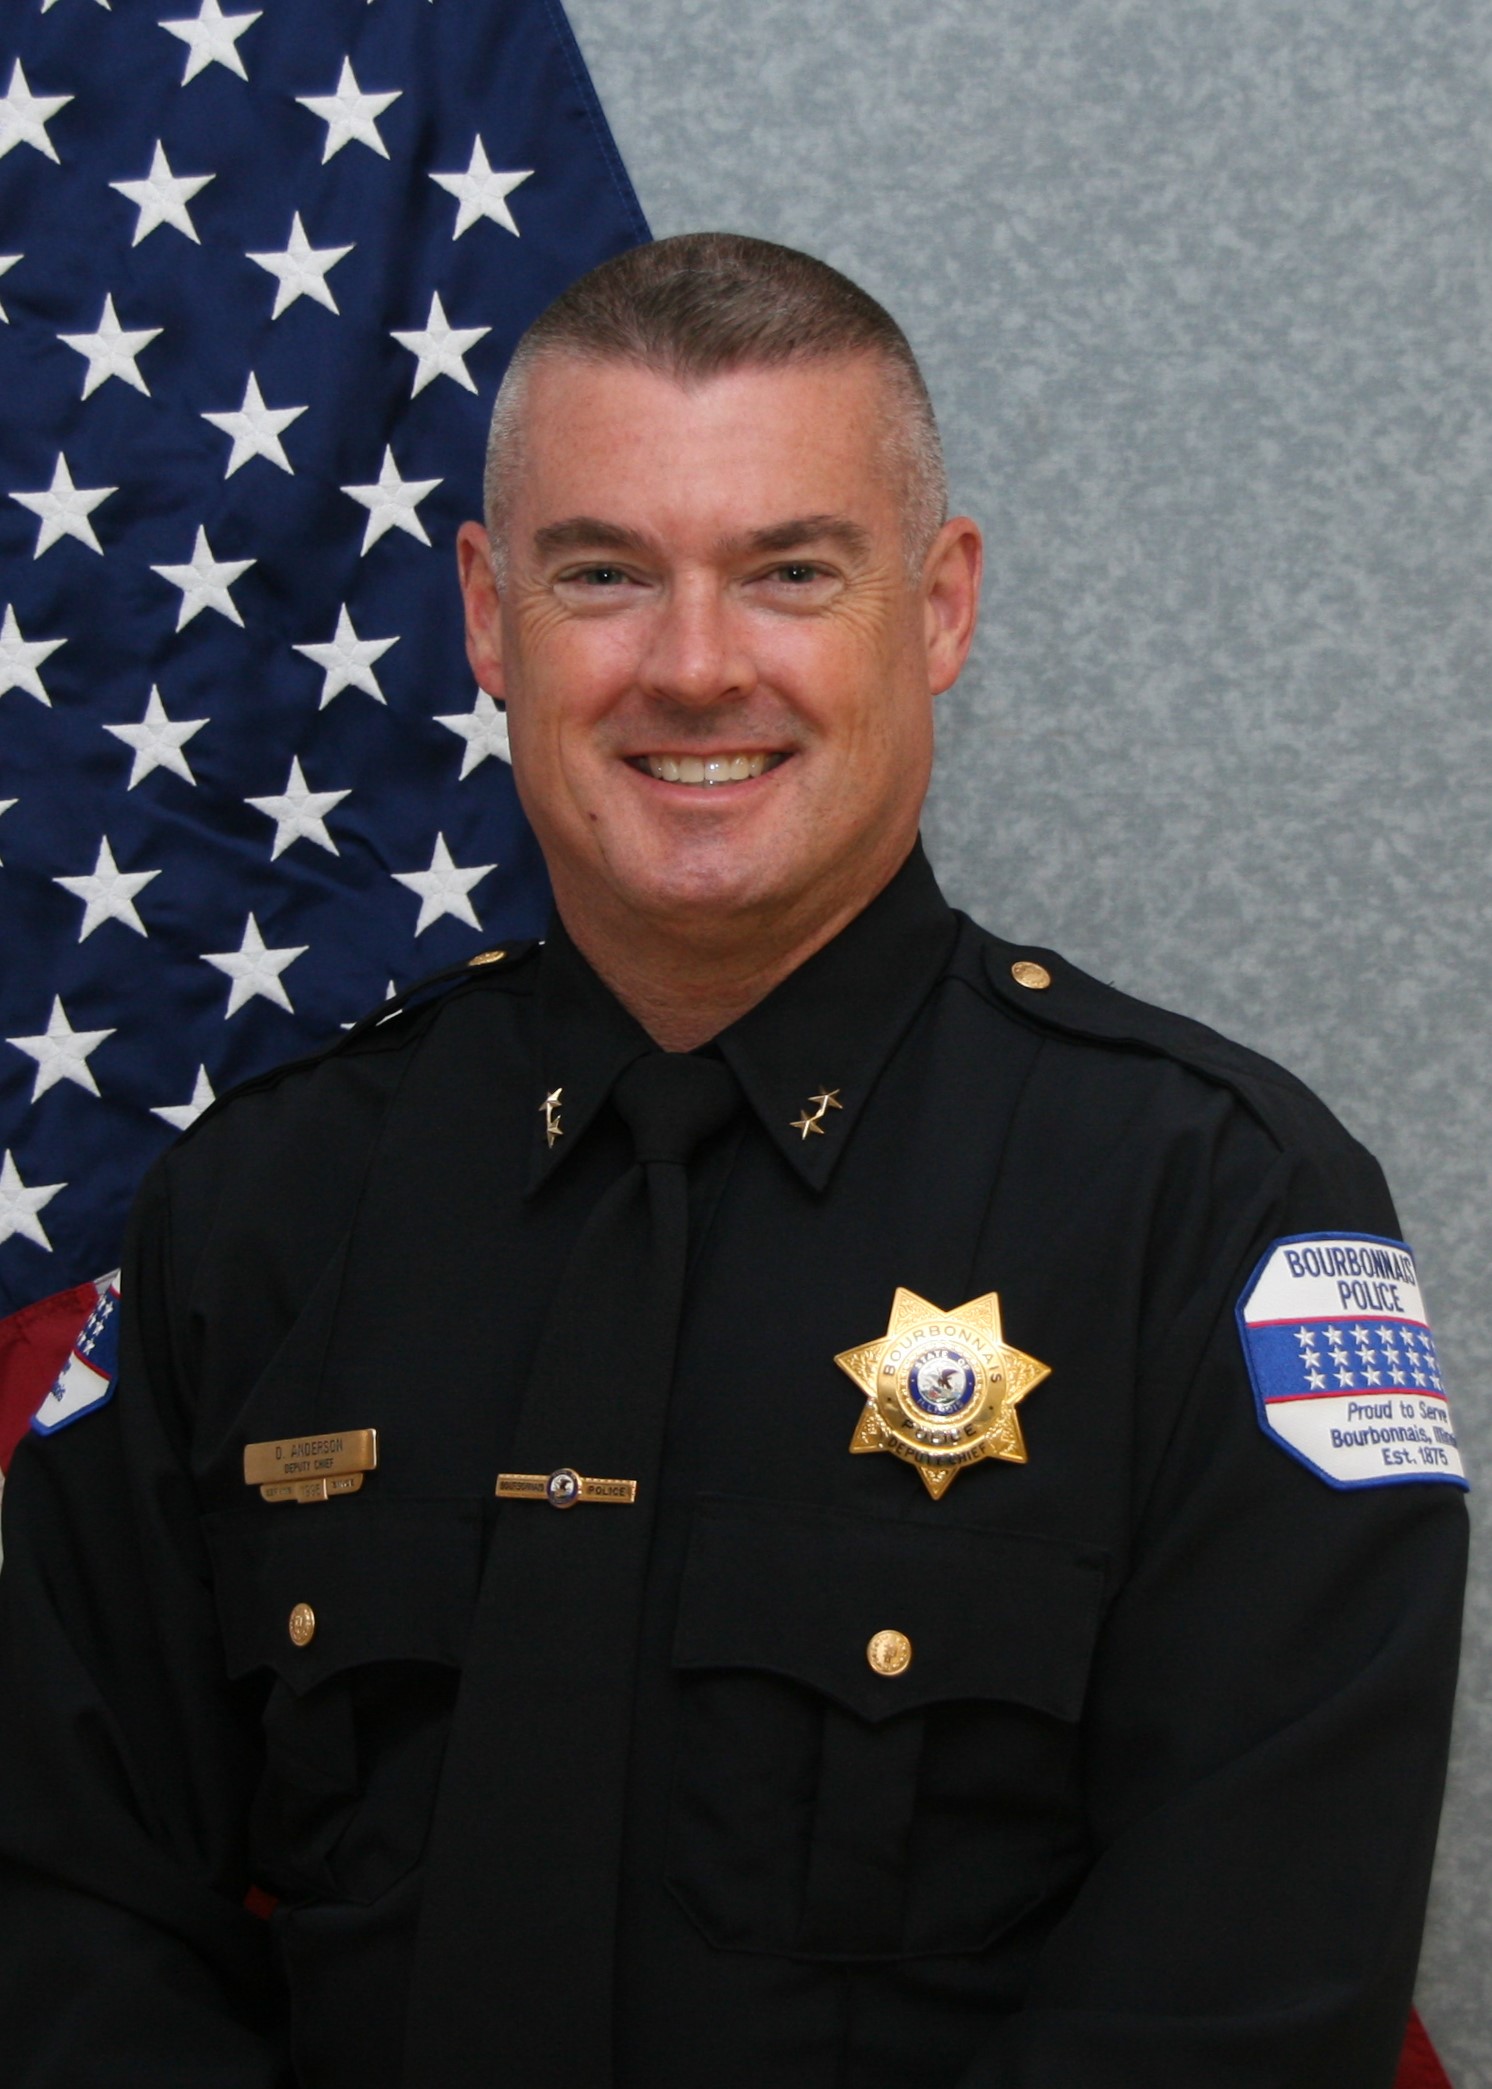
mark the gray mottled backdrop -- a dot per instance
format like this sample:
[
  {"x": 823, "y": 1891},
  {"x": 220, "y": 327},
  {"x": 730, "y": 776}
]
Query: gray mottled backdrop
[{"x": 1202, "y": 291}]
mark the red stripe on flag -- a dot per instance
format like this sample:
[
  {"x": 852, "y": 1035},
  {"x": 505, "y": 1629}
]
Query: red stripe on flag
[{"x": 34, "y": 1345}]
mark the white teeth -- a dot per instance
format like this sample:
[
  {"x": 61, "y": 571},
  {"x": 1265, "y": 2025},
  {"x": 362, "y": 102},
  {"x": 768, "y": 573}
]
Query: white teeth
[{"x": 715, "y": 769}]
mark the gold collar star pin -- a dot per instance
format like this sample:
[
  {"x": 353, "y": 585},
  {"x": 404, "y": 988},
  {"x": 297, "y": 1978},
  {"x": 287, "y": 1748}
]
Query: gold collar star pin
[
  {"x": 941, "y": 1389},
  {"x": 815, "y": 1110},
  {"x": 550, "y": 1106}
]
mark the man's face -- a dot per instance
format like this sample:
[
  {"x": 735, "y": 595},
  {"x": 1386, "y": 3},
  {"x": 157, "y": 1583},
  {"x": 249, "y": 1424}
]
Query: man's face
[{"x": 717, "y": 668}]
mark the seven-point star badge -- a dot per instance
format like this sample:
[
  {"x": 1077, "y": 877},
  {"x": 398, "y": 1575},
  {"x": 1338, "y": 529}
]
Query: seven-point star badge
[{"x": 941, "y": 1389}]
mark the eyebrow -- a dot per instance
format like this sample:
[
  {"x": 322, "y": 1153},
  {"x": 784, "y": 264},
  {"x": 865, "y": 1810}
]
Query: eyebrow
[
  {"x": 587, "y": 533},
  {"x": 803, "y": 530},
  {"x": 591, "y": 533}
]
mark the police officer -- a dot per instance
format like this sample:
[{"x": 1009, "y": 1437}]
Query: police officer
[{"x": 776, "y": 1489}]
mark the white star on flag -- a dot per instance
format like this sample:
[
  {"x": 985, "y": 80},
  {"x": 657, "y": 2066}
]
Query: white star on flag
[
  {"x": 392, "y": 503},
  {"x": 64, "y": 509},
  {"x": 111, "y": 350},
  {"x": 301, "y": 269},
  {"x": 19, "y": 1205},
  {"x": 24, "y": 116},
  {"x": 108, "y": 893},
  {"x": 21, "y": 658},
  {"x": 349, "y": 114},
  {"x": 255, "y": 969},
  {"x": 441, "y": 347},
  {"x": 48, "y": 5},
  {"x": 256, "y": 429},
  {"x": 61, "y": 1053},
  {"x": 180, "y": 1115},
  {"x": 5, "y": 805},
  {"x": 157, "y": 741},
  {"x": 347, "y": 661},
  {"x": 211, "y": 38},
  {"x": 482, "y": 192},
  {"x": 443, "y": 888},
  {"x": 162, "y": 197},
  {"x": 7, "y": 262},
  {"x": 484, "y": 728},
  {"x": 205, "y": 582},
  {"x": 299, "y": 813}
]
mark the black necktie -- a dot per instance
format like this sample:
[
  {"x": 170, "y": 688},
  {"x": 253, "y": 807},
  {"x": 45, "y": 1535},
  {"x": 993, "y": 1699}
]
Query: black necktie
[{"x": 514, "y": 1961}]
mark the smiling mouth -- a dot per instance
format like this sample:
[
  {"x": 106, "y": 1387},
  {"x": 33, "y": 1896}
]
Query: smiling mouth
[{"x": 712, "y": 769}]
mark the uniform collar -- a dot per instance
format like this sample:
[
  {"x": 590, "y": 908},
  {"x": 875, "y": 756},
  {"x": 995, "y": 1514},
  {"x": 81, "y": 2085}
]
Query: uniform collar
[{"x": 807, "y": 1057}]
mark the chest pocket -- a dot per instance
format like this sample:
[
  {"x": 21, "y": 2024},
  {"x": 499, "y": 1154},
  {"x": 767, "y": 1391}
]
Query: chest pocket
[
  {"x": 355, "y": 1616},
  {"x": 826, "y": 1806}
]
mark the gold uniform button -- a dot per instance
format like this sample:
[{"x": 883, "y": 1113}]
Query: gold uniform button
[
  {"x": 1026, "y": 972},
  {"x": 302, "y": 1624},
  {"x": 486, "y": 957},
  {"x": 889, "y": 1653}
]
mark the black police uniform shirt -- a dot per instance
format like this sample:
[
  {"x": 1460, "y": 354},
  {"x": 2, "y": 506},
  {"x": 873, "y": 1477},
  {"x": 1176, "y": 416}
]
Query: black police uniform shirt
[{"x": 1153, "y": 1802}]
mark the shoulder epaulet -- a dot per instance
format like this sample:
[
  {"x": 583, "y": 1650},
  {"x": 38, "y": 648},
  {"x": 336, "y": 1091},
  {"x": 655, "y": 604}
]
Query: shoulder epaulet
[
  {"x": 471, "y": 972},
  {"x": 1043, "y": 988},
  {"x": 434, "y": 988}
]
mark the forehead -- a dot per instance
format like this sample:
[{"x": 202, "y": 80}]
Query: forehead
[{"x": 736, "y": 451}]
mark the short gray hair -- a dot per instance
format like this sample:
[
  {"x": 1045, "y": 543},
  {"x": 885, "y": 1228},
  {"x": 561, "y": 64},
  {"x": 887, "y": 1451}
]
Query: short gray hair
[{"x": 701, "y": 304}]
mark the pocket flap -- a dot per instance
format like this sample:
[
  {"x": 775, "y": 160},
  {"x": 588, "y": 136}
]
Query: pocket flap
[
  {"x": 383, "y": 1580},
  {"x": 800, "y": 1592}
]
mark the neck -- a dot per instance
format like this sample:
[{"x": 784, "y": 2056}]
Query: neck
[{"x": 687, "y": 983}]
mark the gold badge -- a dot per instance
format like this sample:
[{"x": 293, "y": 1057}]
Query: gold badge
[{"x": 941, "y": 1389}]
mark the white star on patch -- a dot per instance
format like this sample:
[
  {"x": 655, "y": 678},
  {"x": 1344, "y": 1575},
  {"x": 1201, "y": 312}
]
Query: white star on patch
[
  {"x": 24, "y": 116},
  {"x": 162, "y": 197},
  {"x": 302, "y": 269},
  {"x": 255, "y": 969},
  {"x": 64, "y": 509},
  {"x": 299, "y": 813},
  {"x": 443, "y": 888},
  {"x": 256, "y": 429},
  {"x": 7, "y": 262},
  {"x": 205, "y": 582},
  {"x": 180, "y": 1115},
  {"x": 350, "y": 115},
  {"x": 5, "y": 805},
  {"x": 157, "y": 741},
  {"x": 484, "y": 728},
  {"x": 108, "y": 893},
  {"x": 61, "y": 1053},
  {"x": 19, "y": 1205},
  {"x": 441, "y": 348},
  {"x": 482, "y": 192},
  {"x": 392, "y": 503},
  {"x": 347, "y": 661},
  {"x": 111, "y": 350},
  {"x": 211, "y": 38},
  {"x": 20, "y": 658}
]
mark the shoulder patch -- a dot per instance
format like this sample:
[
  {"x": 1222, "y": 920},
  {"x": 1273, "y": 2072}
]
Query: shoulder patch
[
  {"x": 1343, "y": 1363},
  {"x": 86, "y": 1380}
]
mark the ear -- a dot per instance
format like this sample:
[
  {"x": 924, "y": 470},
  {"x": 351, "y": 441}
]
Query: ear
[
  {"x": 484, "y": 643},
  {"x": 950, "y": 599}
]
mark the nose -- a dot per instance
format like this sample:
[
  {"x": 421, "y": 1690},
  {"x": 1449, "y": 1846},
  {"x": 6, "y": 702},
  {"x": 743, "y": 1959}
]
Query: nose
[{"x": 696, "y": 652}]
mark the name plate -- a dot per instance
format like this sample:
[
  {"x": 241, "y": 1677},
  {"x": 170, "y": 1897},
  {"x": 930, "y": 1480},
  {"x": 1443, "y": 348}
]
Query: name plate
[{"x": 311, "y": 1468}]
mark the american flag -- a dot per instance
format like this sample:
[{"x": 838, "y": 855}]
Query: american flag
[{"x": 260, "y": 271}]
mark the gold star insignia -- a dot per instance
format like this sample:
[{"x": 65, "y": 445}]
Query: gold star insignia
[
  {"x": 826, "y": 1099},
  {"x": 941, "y": 1389},
  {"x": 550, "y": 1106}
]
